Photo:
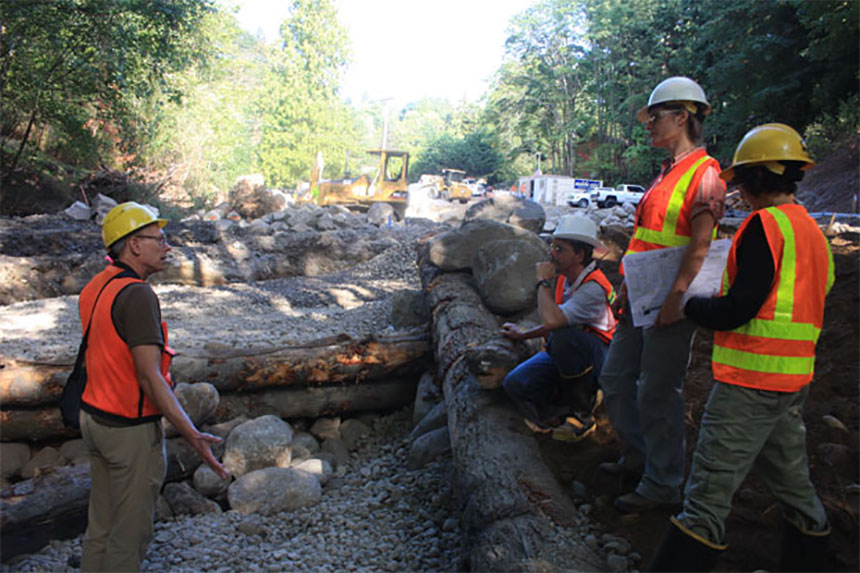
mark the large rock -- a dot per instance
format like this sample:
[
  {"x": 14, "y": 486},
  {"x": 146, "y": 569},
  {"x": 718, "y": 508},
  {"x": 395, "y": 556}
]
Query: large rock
[
  {"x": 381, "y": 214},
  {"x": 436, "y": 418},
  {"x": 506, "y": 208},
  {"x": 273, "y": 490},
  {"x": 326, "y": 428},
  {"x": 208, "y": 483},
  {"x": 427, "y": 395},
  {"x": 304, "y": 445},
  {"x": 317, "y": 467},
  {"x": 428, "y": 447},
  {"x": 13, "y": 456},
  {"x": 408, "y": 308},
  {"x": 259, "y": 443},
  {"x": 353, "y": 432},
  {"x": 184, "y": 500},
  {"x": 46, "y": 458},
  {"x": 252, "y": 201},
  {"x": 504, "y": 272},
  {"x": 198, "y": 400},
  {"x": 455, "y": 250}
]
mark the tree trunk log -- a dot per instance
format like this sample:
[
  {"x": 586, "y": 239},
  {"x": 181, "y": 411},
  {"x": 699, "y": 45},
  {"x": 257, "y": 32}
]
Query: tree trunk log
[
  {"x": 511, "y": 503},
  {"x": 339, "y": 360}
]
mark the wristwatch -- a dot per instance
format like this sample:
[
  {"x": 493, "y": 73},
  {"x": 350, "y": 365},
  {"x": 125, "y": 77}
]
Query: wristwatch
[{"x": 543, "y": 283}]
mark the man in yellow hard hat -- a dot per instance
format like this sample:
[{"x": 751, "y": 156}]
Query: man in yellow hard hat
[{"x": 128, "y": 390}]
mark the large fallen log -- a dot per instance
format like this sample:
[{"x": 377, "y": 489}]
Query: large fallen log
[
  {"x": 339, "y": 360},
  {"x": 511, "y": 503}
]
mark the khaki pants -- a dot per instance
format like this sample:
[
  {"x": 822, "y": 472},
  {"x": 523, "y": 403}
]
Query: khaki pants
[{"x": 127, "y": 468}]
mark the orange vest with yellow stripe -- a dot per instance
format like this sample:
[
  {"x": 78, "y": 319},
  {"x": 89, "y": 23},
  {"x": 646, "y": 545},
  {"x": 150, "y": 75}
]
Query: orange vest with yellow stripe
[
  {"x": 597, "y": 276},
  {"x": 663, "y": 214},
  {"x": 776, "y": 349},
  {"x": 112, "y": 389}
]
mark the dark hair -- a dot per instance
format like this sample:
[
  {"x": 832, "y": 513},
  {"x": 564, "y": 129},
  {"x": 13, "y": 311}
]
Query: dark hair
[
  {"x": 580, "y": 247},
  {"x": 758, "y": 180}
]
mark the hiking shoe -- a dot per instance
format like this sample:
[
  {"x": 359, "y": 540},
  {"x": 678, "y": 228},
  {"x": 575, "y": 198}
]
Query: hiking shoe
[
  {"x": 574, "y": 429},
  {"x": 634, "y": 503}
]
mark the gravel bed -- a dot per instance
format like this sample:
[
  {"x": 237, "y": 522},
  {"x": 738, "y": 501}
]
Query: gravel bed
[{"x": 375, "y": 515}]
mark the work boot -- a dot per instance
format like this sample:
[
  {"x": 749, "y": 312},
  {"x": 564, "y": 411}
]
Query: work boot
[
  {"x": 618, "y": 470},
  {"x": 575, "y": 428},
  {"x": 803, "y": 550},
  {"x": 684, "y": 550},
  {"x": 635, "y": 503}
]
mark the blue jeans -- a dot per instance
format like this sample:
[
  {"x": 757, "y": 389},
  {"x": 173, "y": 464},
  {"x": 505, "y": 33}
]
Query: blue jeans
[
  {"x": 742, "y": 427},
  {"x": 643, "y": 383},
  {"x": 540, "y": 391}
]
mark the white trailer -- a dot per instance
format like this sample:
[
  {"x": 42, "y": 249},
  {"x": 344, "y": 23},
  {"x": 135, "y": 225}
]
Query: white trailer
[{"x": 553, "y": 189}]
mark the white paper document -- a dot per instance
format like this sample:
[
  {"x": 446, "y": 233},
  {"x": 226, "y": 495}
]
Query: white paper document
[{"x": 649, "y": 276}]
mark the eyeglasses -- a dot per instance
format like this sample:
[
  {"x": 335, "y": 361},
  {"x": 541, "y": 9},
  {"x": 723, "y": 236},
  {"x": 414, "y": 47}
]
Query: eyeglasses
[
  {"x": 162, "y": 240},
  {"x": 658, "y": 114}
]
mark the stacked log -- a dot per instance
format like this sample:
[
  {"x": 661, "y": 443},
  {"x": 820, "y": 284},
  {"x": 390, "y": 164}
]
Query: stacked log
[
  {"x": 510, "y": 501},
  {"x": 328, "y": 376}
]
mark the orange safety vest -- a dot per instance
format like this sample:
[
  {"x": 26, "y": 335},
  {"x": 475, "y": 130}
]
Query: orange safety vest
[
  {"x": 597, "y": 276},
  {"x": 663, "y": 214},
  {"x": 112, "y": 389},
  {"x": 776, "y": 349}
]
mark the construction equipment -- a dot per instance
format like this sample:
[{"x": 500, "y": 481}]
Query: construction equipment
[
  {"x": 453, "y": 186},
  {"x": 388, "y": 185}
]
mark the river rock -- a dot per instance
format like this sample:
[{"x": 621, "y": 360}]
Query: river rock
[
  {"x": 427, "y": 395},
  {"x": 258, "y": 443},
  {"x": 455, "y": 250},
  {"x": 198, "y": 400},
  {"x": 185, "y": 500},
  {"x": 208, "y": 483},
  {"x": 304, "y": 445},
  {"x": 505, "y": 274},
  {"x": 317, "y": 467},
  {"x": 47, "y": 457},
  {"x": 353, "y": 432},
  {"x": 273, "y": 490},
  {"x": 436, "y": 418},
  {"x": 14, "y": 456},
  {"x": 428, "y": 447},
  {"x": 326, "y": 428},
  {"x": 506, "y": 208}
]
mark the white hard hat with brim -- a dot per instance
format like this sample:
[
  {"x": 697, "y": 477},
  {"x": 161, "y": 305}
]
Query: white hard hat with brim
[{"x": 578, "y": 228}]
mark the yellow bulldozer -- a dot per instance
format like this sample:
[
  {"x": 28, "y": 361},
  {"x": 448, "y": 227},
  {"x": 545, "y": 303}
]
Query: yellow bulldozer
[
  {"x": 388, "y": 185},
  {"x": 452, "y": 186}
]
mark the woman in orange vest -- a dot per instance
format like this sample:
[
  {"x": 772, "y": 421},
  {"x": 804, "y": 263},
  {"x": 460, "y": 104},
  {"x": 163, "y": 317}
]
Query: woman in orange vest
[
  {"x": 643, "y": 377},
  {"x": 766, "y": 324}
]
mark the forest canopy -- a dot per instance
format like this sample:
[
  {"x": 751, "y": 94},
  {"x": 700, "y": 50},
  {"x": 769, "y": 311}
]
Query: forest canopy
[{"x": 175, "y": 91}]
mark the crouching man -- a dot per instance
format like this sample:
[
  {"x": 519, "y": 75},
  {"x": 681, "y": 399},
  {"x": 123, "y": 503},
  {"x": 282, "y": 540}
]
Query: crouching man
[
  {"x": 128, "y": 390},
  {"x": 556, "y": 389}
]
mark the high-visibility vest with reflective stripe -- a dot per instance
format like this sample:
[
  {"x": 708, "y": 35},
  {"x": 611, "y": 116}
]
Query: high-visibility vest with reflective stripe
[
  {"x": 605, "y": 334},
  {"x": 776, "y": 349},
  {"x": 112, "y": 389},
  {"x": 663, "y": 214}
]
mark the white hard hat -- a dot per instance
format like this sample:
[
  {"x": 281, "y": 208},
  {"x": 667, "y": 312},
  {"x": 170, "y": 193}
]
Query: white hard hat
[
  {"x": 578, "y": 228},
  {"x": 677, "y": 89}
]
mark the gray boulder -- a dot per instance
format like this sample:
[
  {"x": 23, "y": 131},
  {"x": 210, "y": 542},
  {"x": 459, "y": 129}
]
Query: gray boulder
[
  {"x": 273, "y": 490},
  {"x": 304, "y": 445},
  {"x": 208, "y": 483},
  {"x": 13, "y": 456},
  {"x": 259, "y": 443},
  {"x": 504, "y": 272},
  {"x": 45, "y": 458},
  {"x": 317, "y": 467},
  {"x": 353, "y": 432},
  {"x": 428, "y": 447},
  {"x": 325, "y": 428},
  {"x": 506, "y": 208},
  {"x": 381, "y": 214},
  {"x": 455, "y": 250},
  {"x": 427, "y": 395},
  {"x": 337, "y": 448},
  {"x": 198, "y": 400},
  {"x": 408, "y": 308},
  {"x": 436, "y": 418},
  {"x": 184, "y": 500}
]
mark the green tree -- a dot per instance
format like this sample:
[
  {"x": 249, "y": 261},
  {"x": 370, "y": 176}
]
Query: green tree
[
  {"x": 77, "y": 67},
  {"x": 300, "y": 108}
]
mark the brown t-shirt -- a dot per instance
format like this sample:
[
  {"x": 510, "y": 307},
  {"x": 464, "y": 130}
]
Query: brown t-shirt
[{"x": 136, "y": 315}]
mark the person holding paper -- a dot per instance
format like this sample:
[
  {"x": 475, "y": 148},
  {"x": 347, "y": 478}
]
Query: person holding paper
[
  {"x": 556, "y": 389},
  {"x": 767, "y": 322},
  {"x": 643, "y": 377}
]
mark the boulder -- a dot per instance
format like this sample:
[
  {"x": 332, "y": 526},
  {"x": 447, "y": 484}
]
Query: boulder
[
  {"x": 13, "y": 456},
  {"x": 504, "y": 272},
  {"x": 252, "y": 201},
  {"x": 506, "y": 208},
  {"x": 381, "y": 214},
  {"x": 259, "y": 443},
  {"x": 428, "y": 447},
  {"x": 326, "y": 428},
  {"x": 185, "y": 500},
  {"x": 304, "y": 445},
  {"x": 78, "y": 211},
  {"x": 455, "y": 250},
  {"x": 74, "y": 451},
  {"x": 317, "y": 467},
  {"x": 427, "y": 395},
  {"x": 273, "y": 490},
  {"x": 47, "y": 457},
  {"x": 436, "y": 418},
  {"x": 353, "y": 432},
  {"x": 198, "y": 400},
  {"x": 337, "y": 448},
  {"x": 408, "y": 308},
  {"x": 223, "y": 429},
  {"x": 208, "y": 483}
]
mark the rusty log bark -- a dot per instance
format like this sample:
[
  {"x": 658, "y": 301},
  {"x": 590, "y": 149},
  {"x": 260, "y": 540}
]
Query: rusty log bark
[
  {"x": 510, "y": 500},
  {"x": 339, "y": 360}
]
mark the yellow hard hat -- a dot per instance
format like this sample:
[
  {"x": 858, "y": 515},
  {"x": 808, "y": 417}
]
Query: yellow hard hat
[
  {"x": 767, "y": 145},
  {"x": 126, "y": 218},
  {"x": 677, "y": 90}
]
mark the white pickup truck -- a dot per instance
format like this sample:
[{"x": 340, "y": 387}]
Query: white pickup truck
[{"x": 624, "y": 193}]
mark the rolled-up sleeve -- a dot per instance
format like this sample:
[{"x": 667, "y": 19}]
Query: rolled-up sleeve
[{"x": 710, "y": 196}]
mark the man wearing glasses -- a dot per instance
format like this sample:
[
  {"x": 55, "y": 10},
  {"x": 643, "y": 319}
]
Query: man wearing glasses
[{"x": 128, "y": 390}]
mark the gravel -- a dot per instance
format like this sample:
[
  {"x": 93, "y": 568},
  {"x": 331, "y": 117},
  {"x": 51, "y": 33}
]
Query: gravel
[{"x": 375, "y": 515}]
